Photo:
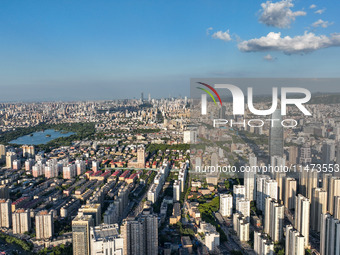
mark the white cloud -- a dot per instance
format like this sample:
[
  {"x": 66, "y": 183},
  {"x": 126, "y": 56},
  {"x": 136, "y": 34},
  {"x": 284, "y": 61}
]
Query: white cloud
[
  {"x": 208, "y": 30},
  {"x": 312, "y": 6},
  {"x": 320, "y": 11},
  {"x": 308, "y": 42},
  {"x": 321, "y": 23},
  {"x": 269, "y": 58},
  {"x": 225, "y": 36},
  {"x": 279, "y": 14}
]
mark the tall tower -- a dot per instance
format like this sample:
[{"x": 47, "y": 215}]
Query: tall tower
[
  {"x": 239, "y": 192},
  {"x": 290, "y": 193},
  {"x": 319, "y": 206},
  {"x": 81, "y": 234},
  {"x": 249, "y": 178},
  {"x": 141, "y": 157},
  {"x": 260, "y": 183},
  {"x": 274, "y": 216},
  {"x": 334, "y": 191},
  {"x": 226, "y": 205},
  {"x": 44, "y": 226},
  {"x": 302, "y": 209},
  {"x": 276, "y": 135},
  {"x": 270, "y": 190},
  {"x": 2, "y": 152},
  {"x": 21, "y": 221},
  {"x": 140, "y": 235},
  {"x": 5, "y": 213}
]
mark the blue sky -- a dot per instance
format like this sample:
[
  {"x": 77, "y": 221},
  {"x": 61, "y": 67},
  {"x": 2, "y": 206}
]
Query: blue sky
[{"x": 71, "y": 50}]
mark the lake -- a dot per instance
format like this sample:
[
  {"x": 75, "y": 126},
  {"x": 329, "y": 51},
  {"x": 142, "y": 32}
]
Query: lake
[{"x": 41, "y": 137}]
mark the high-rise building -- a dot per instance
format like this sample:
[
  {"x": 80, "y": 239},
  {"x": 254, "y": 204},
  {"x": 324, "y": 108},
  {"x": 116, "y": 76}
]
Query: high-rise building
[
  {"x": 213, "y": 175},
  {"x": 37, "y": 169},
  {"x": 302, "y": 215},
  {"x": 276, "y": 135},
  {"x": 337, "y": 207},
  {"x": 294, "y": 242},
  {"x": 239, "y": 192},
  {"x": 243, "y": 207},
  {"x": 337, "y": 153},
  {"x": 29, "y": 164},
  {"x": 328, "y": 152},
  {"x": 69, "y": 171},
  {"x": 94, "y": 210},
  {"x": 105, "y": 239},
  {"x": 226, "y": 205},
  {"x": 51, "y": 168},
  {"x": 262, "y": 245},
  {"x": 260, "y": 183},
  {"x": 212, "y": 237},
  {"x": 274, "y": 216},
  {"x": 176, "y": 190},
  {"x": 95, "y": 166},
  {"x": 241, "y": 227},
  {"x": 141, "y": 157},
  {"x": 318, "y": 207},
  {"x": 10, "y": 157},
  {"x": 334, "y": 191},
  {"x": 293, "y": 155},
  {"x": 305, "y": 156},
  {"x": 140, "y": 235},
  {"x": 2, "y": 153},
  {"x": 249, "y": 178},
  {"x": 312, "y": 183},
  {"x": 5, "y": 213},
  {"x": 16, "y": 165},
  {"x": 4, "y": 191},
  {"x": 329, "y": 235},
  {"x": 81, "y": 234},
  {"x": 290, "y": 193},
  {"x": 80, "y": 166},
  {"x": 28, "y": 151},
  {"x": 190, "y": 136},
  {"x": 21, "y": 221},
  {"x": 222, "y": 111},
  {"x": 270, "y": 190},
  {"x": 44, "y": 227}
]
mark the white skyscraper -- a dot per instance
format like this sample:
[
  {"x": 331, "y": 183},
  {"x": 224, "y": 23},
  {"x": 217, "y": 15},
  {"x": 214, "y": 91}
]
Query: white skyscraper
[
  {"x": 294, "y": 242},
  {"x": 44, "y": 226},
  {"x": 249, "y": 178},
  {"x": 243, "y": 207},
  {"x": 274, "y": 216},
  {"x": 260, "y": 183},
  {"x": 226, "y": 205},
  {"x": 318, "y": 207},
  {"x": 302, "y": 214},
  {"x": 262, "y": 245},
  {"x": 290, "y": 193},
  {"x": 21, "y": 221},
  {"x": 276, "y": 135},
  {"x": 5, "y": 213},
  {"x": 270, "y": 190},
  {"x": 239, "y": 192},
  {"x": 176, "y": 190}
]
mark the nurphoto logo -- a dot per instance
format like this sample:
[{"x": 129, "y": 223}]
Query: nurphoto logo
[{"x": 238, "y": 99}]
